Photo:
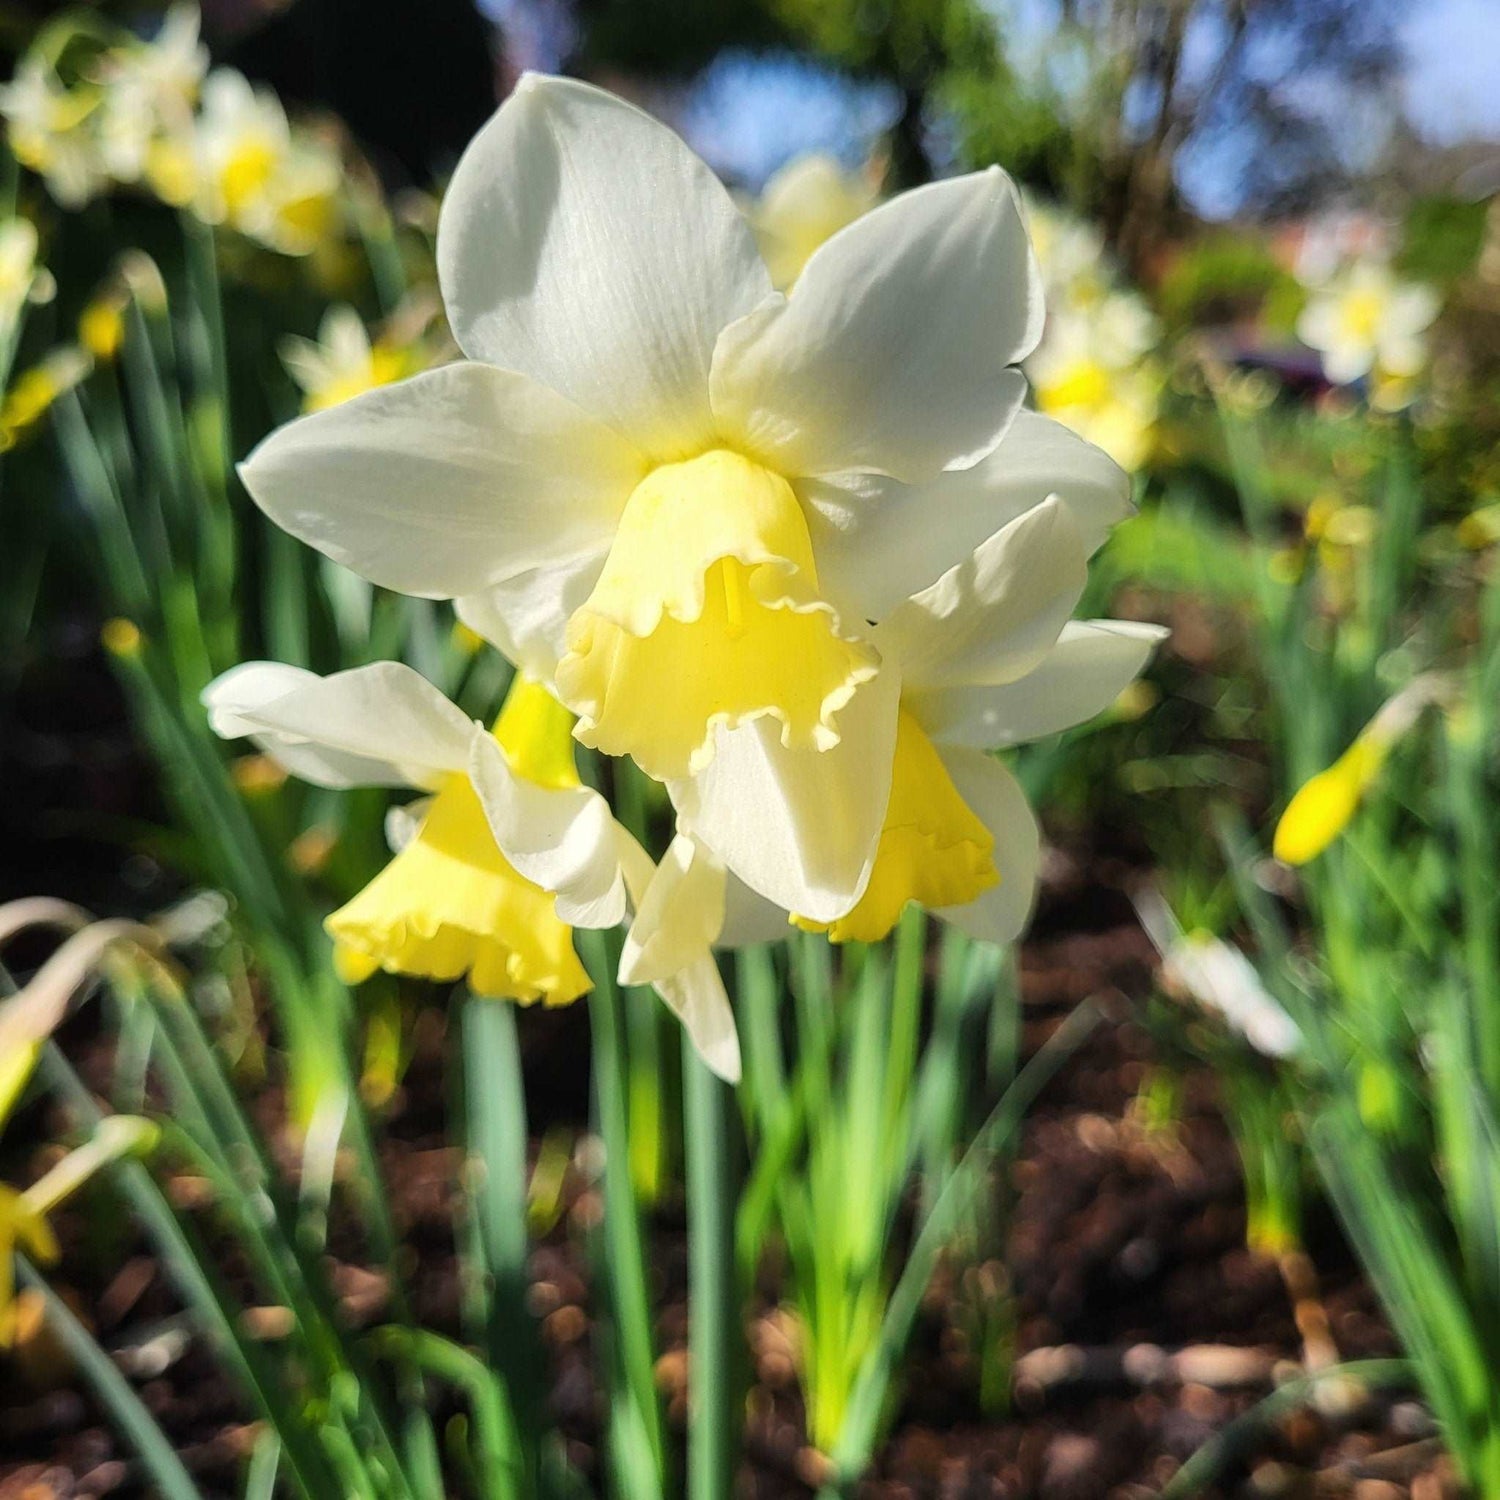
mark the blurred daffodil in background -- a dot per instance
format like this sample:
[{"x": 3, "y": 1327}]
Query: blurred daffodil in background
[
  {"x": 344, "y": 361},
  {"x": 805, "y": 203},
  {"x": 1364, "y": 320}
]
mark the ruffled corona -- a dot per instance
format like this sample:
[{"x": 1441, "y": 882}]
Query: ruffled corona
[
  {"x": 933, "y": 849},
  {"x": 451, "y": 904},
  {"x": 707, "y": 612}
]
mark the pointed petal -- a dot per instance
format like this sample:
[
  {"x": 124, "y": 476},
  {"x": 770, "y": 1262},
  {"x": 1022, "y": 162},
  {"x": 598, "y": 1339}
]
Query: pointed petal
[
  {"x": 892, "y": 352},
  {"x": 993, "y": 618},
  {"x": 1091, "y": 664},
  {"x": 584, "y": 245},
  {"x": 447, "y": 482},
  {"x": 878, "y": 541},
  {"x": 380, "y": 725}
]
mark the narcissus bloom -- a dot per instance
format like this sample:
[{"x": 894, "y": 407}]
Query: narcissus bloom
[
  {"x": 670, "y": 489},
  {"x": 18, "y": 271},
  {"x": 149, "y": 90},
  {"x": 343, "y": 362},
  {"x": 805, "y": 203},
  {"x": 49, "y": 130},
  {"x": 1366, "y": 319},
  {"x": 500, "y": 861},
  {"x": 1325, "y": 804},
  {"x": 984, "y": 657}
]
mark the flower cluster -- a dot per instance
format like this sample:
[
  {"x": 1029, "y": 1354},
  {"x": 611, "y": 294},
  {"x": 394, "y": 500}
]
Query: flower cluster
[
  {"x": 1093, "y": 368},
  {"x": 804, "y": 558},
  {"x": 150, "y": 114}
]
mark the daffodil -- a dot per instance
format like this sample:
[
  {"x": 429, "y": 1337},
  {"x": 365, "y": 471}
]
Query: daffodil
[
  {"x": 985, "y": 657},
  {"x": 1092, "y": 369},
  {"x": 48, "y": 128},
  {"x": 149, "y": 90},
  {"x": 662, "y": 484},
  {"x": 1365, "y": 319},
  {"x": 241, "y": 163},
  {"x": 18, "y": 244},
  {"x": 807, "y": 202},
  {"x": 343, "y": 362},
  {"x": 1324, "y": 805},
  {"x": 32, "y": 393},
  {"x": 494, "y": 867}
]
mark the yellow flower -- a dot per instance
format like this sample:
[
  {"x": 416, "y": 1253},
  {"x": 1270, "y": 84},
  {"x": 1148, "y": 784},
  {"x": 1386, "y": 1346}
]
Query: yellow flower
[
  {"x": 101, "y": 325},
  {"x": 1323, "y": 807},
  {"x": 31, "y": 396},
  {"x": 24, "y": 1230},
  {"x": 1364, "y": 319},
  {"x": 343, "y": 362}
]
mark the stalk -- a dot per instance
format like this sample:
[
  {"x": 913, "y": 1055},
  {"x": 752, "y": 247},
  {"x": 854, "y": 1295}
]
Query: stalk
[{"x": 714, "y": 1303}]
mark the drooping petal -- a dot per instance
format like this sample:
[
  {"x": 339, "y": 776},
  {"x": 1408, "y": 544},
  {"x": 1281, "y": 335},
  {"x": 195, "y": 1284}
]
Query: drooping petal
[
  {"x": 695, "y": 993},
  {"x": 451, "y": 905},
  {"x": 892, "y": 352},
  {"x": 799, "y": 827},
  {"x": 378, "y": 725},
  {"x": 878, "y": 541},
  {"x": 526, "y": 617},
  {"x": 679, "y": 917},
  {"x": 994, "y": 617},
  {"x": 998, "y": 915},
  {"x": 584, "y": 245},
  {"x": 563, "y": 839},
  {"x": 445, "y": 483},
  {"x": 1091, "y": 664}
]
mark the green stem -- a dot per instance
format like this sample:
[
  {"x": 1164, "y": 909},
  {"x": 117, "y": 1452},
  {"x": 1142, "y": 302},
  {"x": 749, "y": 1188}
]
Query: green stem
[
  {"x": 713, "y": 1308},
  {"x": 638, "y": 1442}
]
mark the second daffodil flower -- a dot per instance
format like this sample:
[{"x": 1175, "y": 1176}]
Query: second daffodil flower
[
  {"x": 495, "y": 866},
  {"x": 672, "y": 480}
]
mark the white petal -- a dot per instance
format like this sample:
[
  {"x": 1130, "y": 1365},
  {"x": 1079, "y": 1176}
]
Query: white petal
[
  {"x": 695, "y": 994},
  {"x": 444, "y": 483},
  {"x": 892, "y": 351},
  {"x": 562, "y": 839},
  {"x": 994, "y": 617},
  {"x": 749, "y": 918},
  {"x": 679, "y": 917},
  {"x": 877, "y": 540},
  {"x": 525, "y": 618},
  {"x": 380, "y": 725},
  {"x": 1000, "y": 914},
  {"x": 799, "y": 827},
  {"x": 583, "y": 244},
  {"x": 1079, "y": 677}
]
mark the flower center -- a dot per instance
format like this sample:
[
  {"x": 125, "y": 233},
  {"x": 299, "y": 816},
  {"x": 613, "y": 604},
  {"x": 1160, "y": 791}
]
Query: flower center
[
  {"x": 1361, "y": 315},
  {"x": 245, "y": 173},
  {"x": 707, "y": 612},
  {"x": 450, "y": 903},
  {"x": 933, "y": 849},
  {"x": 1085, "y": 382}
]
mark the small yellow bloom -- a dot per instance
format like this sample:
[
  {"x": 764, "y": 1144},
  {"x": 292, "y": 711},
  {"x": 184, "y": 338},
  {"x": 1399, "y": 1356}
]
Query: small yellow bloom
[
  {"x": 450, "y": 904},
  {"x": 1324, "y": 805},
  {"x": 120, "y": 637},
  {"x": 343, "y": 362},
  {"x": 933, "y": 849},
  {"x": 101, "y": 326},
  {"x": 22, "y": 1229},
  {"x": 32, "y": 395}
]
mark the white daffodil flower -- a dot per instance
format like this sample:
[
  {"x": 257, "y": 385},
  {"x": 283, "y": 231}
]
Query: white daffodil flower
[
  {"x": 343, "y": 362},
  {"x": 803, "y": 204},
  {"x": 149, "y": 90},
  {"x": 664, "y": 476},
  {"x": 18, "y": 271},
  {"x": 48, "y": 130},
  {"x": 984, "y": 658},
  {"x": 1366, "y": 319},
  {"x": 496, "y": 866}
]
